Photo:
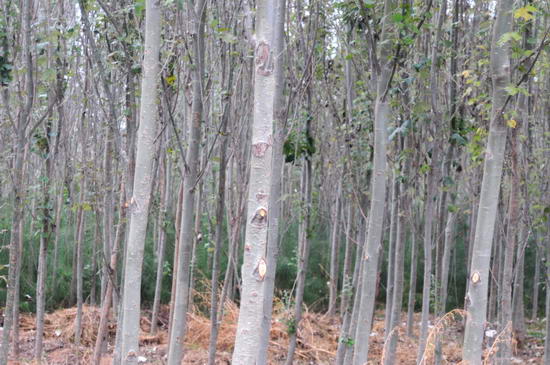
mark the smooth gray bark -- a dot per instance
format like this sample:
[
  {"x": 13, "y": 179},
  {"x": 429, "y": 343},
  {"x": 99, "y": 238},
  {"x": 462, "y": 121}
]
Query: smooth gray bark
[
  {"x": 374, "y": 235},
  {"x": 429, "y": 212},
  {"x": 347, "y": 277},
  {"x": 106, "y": 302},
  {"x": 397, "y": 299},
  {"x": 432, "y": 184},
  {"x": 304, "y": 246},
  {"x": 197, "y": 12},
  {"x": 344, "y": 349},
  {"x": 220, "y": 208},
  {"x": 518, "y": 306},
  {"x": 391, "y": 255},
  {"x": 81, "y": 226},
  {"x": 139, "y": 205},
  {"x": 371, "y": 254},
  {"x": 165, "y": 184},
  {"x": 254, "y": 266},
  {"x": 536, "y": 285},
  {"x": 334, "y": 251},
  {"x": 412, "y": 283},
  {"x": 399, "y": 262},
  {"x": 476, "y": 296},
  {"x": 279, "y": 110}
]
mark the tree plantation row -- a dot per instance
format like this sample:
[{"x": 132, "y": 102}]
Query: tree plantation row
[{"x": 320, "y": 181}]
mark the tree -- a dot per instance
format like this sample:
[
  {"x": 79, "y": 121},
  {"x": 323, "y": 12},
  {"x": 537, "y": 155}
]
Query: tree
[
  {"x": 255, "y": 266},
  {"x": 490, "y": 189},
  {"x": 197, "y": 13},
  {"x": 21, "y": 130},
  {"x": 383, "y": 74},
  {"x": 139, "y": 205}
]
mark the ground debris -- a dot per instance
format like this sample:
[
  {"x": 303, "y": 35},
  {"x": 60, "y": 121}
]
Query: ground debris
[{"x": 317, "y": 339}]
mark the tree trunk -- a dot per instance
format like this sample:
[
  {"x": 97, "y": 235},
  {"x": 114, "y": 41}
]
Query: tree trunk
[
  {"x": 378, "y": 195},
  {"x": 45, "y": 237},
  {"x": 139, "y": 205},
  {"x": 58, "y": 222},
  {"x": 518, "y": 307},
  {"x": 391, "y": 255},
  {"x": 334, "y": 251},
  {"x": 399, "y": 267},
  {"x": 429, "y": 211},
  {"x": 412, "y": 284},
  {"x": 445, "y": 263},
  {"x": 197, "y": 12},
  {"x": 432, "y": 186},
  {"x": 303, "y": 258},
  {"x": 111, "y": 284},
  {"x": 346, "y": 337},
  {"x": 547, "y": 309},
  {"x": 505, "y": 313},
  {"x": 96, "y": 243},
  {"x": 165, "y": 183},
  {"x": 490, "y": 189},
  {"x": 344, "y": 352},
  {"x": 536, "y": 284},
  {"x": 81, "y": 227},
  {"x": 399, "y": 262},
  {"x": 220, "y": 208},
  {"x": 346, "y": 293},
  {"x": 494, "y": 281},
  {"x": 376, "y": 221},
  {"x": 177, "y": 228},
  {"x": 254, "y": 266},
  {"x": 280, "y": 117},
  {"x": 12, "y": 301}
]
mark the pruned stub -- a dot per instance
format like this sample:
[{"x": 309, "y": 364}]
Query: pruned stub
[
  {"x": 259, "y": 149},
  {"x": 476, "y": 277},
  {"x": 260, "y": 217}
]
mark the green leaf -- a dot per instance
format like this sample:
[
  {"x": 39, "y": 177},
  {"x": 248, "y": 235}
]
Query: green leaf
[
  {"x": 139, "y": 7},
  {"x": 526, "y": 12},
  {"x": 507, "y": 37},
  {"x": 511, "y": 90},
  {"x": 398, "y": 18},
  {"x": 170, "y": 80}
]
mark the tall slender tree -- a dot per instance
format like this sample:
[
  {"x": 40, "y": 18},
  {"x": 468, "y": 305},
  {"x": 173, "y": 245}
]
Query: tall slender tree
[
  {"x": 197, "y": 14},
  {"x": 139, "y": 205},
  {"x": 255, "y": 265},
  {"x": 476, "y": 296},
  {"x": 383, "y": 72}
]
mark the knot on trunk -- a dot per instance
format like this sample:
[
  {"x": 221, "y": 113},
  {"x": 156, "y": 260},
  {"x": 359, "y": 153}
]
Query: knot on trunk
[
  {"x": 264, "y": 59},
  {"x": 259, "y": 149},
  {"x": 260, "y": 270},
  {"x": 260, "y": 217}
]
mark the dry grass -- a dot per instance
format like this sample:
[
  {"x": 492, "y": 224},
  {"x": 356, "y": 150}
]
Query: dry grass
[
  {"x": 448, "y": 320},
  {"x": 502, "y": 337},
  {"x": 317, "y": 338}
]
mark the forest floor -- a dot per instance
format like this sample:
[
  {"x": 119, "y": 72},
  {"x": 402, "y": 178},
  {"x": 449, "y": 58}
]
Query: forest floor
[{"x": 317, "y": 339}]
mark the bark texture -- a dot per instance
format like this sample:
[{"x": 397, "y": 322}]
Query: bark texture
[
  {"x": 255, "y": 265},
  {"x": 139, "y": 205},
  {"x": 476, "y": 296}
]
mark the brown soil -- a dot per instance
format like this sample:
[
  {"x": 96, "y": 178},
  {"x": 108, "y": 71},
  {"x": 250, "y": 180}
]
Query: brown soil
[{"x": 317, "y": 339}]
